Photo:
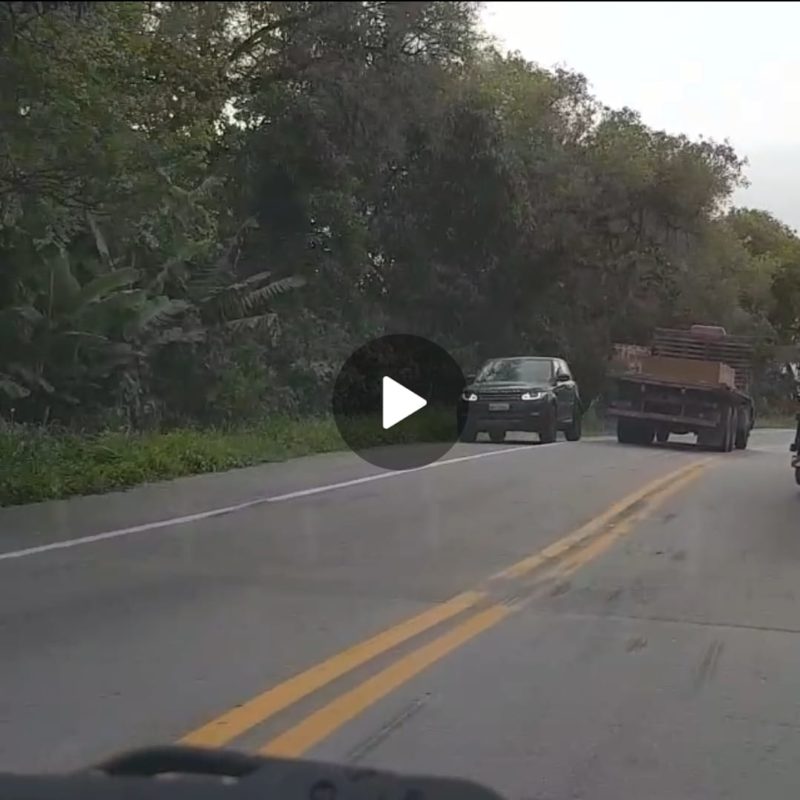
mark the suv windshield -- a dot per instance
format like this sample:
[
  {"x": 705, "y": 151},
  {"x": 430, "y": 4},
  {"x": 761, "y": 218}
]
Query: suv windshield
[{"x": 524, "y": 370}]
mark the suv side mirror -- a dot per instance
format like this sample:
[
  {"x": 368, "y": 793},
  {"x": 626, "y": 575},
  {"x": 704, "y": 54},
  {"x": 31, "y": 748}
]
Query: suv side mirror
[{"x": 562, "y": 377}]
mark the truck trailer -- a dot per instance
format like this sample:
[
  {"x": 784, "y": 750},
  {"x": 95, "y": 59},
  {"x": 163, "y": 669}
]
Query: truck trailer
[{"x": 693, "y": 381}]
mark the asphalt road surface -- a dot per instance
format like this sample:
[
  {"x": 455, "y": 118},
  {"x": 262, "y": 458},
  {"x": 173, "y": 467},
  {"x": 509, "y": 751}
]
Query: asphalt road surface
[{"x": 583, "y": 620}]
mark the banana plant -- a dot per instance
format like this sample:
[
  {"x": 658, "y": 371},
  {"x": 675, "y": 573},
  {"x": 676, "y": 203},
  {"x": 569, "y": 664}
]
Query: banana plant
[{"x": 70, "y": 337}]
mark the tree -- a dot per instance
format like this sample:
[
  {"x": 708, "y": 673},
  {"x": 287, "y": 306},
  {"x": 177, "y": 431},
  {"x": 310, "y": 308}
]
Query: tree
[{"x": 204, "y": 207}]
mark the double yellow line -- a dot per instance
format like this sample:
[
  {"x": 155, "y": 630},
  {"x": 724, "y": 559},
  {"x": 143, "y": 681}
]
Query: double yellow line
[{"x": 554, "y": 562}]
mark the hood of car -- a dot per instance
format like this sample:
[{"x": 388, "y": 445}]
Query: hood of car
[{"x": 490, "y": 387}]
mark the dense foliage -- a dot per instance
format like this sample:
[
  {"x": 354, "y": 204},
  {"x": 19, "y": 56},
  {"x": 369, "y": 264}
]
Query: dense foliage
[{"x": 205, "y": 206}]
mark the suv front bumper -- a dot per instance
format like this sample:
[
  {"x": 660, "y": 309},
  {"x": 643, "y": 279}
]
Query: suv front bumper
[{"x": 521, "y": 415}]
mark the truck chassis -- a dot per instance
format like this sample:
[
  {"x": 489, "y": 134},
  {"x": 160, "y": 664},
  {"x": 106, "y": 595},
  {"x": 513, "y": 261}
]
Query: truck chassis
[{"x": 648, "y": 409}]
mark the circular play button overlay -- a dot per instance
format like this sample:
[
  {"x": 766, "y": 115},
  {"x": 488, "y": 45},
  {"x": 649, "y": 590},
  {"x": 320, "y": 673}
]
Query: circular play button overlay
[{"x": 395, "y": 401}]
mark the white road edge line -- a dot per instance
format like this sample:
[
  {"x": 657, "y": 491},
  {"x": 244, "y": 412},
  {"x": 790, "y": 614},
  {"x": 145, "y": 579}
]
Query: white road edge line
[{"x": 277, "y": 498}]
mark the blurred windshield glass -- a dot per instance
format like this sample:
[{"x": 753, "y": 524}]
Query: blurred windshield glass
[{"x": 516, "y": 369}]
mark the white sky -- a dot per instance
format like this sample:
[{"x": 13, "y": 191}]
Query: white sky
[{"x": 725, "y": 70}]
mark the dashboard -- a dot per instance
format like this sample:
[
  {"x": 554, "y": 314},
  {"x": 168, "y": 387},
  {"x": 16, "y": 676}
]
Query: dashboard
[{"x": 178, "y": 773}]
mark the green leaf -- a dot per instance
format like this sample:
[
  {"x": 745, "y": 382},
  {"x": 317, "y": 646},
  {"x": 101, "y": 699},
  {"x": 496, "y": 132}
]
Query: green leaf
[
  {"x": 31, "y": 378},
  {"x": 154, "y": 312},
  {"x": 258, "y": 297},
  {"x": 99, "y": 239},
  {"x": 260, "y": 323},
  {"x": 107, "y": 284},
  {"x": 63, "y": 289},
  {"x": 85, "y": 336},
  {"x": 12, "y": 389},
  {"x": 177, "y": 267},
  {"x": 115, "y": 354},
  {"x": 27, "y": 313},
  {"x": 180, "y": 335}
]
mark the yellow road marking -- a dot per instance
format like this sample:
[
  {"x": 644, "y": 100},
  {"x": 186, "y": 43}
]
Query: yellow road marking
[
  {"x": 563, "y": 545},
  {"x": 322, "y": 723},
  {"x": 228, "y": 726},
  {"x": 603, "y": 541}
]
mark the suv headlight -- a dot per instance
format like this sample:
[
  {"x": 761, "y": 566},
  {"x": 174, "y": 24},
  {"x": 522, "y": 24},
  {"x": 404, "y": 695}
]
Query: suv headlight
[
  {"x": 532, "y": 395},
  {"x": 469, "y": 397}
]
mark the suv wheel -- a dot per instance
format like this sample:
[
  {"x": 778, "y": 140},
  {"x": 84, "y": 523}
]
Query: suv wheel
[
  {"x": 468, "y": 434},
  {"x": 547, "y": 435},
  {"x": 573, "y": 431}
]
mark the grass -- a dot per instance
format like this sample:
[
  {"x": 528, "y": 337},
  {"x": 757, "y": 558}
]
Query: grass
[
  {"x": 776, "y": 421},
  {"x": 595, "y": 425},
  {"x": 40, "y": 464}
]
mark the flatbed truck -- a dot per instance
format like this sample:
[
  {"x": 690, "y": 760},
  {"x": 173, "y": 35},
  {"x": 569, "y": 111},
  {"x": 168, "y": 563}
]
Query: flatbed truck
[{"x": 694, "y": 381}]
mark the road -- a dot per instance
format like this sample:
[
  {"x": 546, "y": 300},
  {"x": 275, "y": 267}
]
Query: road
[{"x": 561, "y": 621}]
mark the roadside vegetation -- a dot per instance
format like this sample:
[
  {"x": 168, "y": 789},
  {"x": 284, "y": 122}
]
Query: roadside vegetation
[
  {"x": 205, "y": 207},
  {"x": 50, "y": 464},
  {"x": 47, "y": 464}
]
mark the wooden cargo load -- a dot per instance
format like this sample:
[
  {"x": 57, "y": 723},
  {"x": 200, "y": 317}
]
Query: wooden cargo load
[
  {"x": 689, "y": 371},
  {"x": 627, "y": 358},
  {"x": 709, "y": 344}
]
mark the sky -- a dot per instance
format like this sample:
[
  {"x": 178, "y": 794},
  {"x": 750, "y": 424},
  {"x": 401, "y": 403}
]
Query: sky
[{"x": 724, "y": 70}]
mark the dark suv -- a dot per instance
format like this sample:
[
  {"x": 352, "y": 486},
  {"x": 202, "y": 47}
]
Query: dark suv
[{"x": 521, "y": 394}]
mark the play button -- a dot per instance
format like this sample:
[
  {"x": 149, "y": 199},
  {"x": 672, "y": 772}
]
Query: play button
[
  {"x": 399, "y": 402},
  {"x": 395, "y": 401}
]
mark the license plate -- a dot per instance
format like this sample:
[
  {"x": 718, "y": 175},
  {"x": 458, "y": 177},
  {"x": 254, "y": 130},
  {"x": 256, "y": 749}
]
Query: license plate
[{"x": 499, "y": 406}]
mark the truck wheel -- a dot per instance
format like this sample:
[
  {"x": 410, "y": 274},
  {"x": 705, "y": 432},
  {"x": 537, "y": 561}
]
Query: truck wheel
[
  {"x": 626, "y": 431},
  {"x": 662, "y": 436},
  {"x": 725, "y": 432},
  {"x": 645, "y": 434},
  {"x": 742, "y": 430},
  {"x": 547, "y": 435},
  {"x": 497, "y": 436},
  {"x": 797, "y": 476},
  {"x": 731, "y": 438},
  {"x": 573, "y": 430}
]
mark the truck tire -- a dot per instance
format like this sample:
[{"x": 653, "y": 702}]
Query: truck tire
[
  {"x": 497, "y": 436},
  {"x": 662, "y": 436},
  {"x": 742, "y": 429},
  {"x": 626, "y": 431},
  {"x": 645, "y": 434},
  {"x": 631, "y": 431},
  {"x": 725, "y": 431},
  {"x": 733, "y": 419}
]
